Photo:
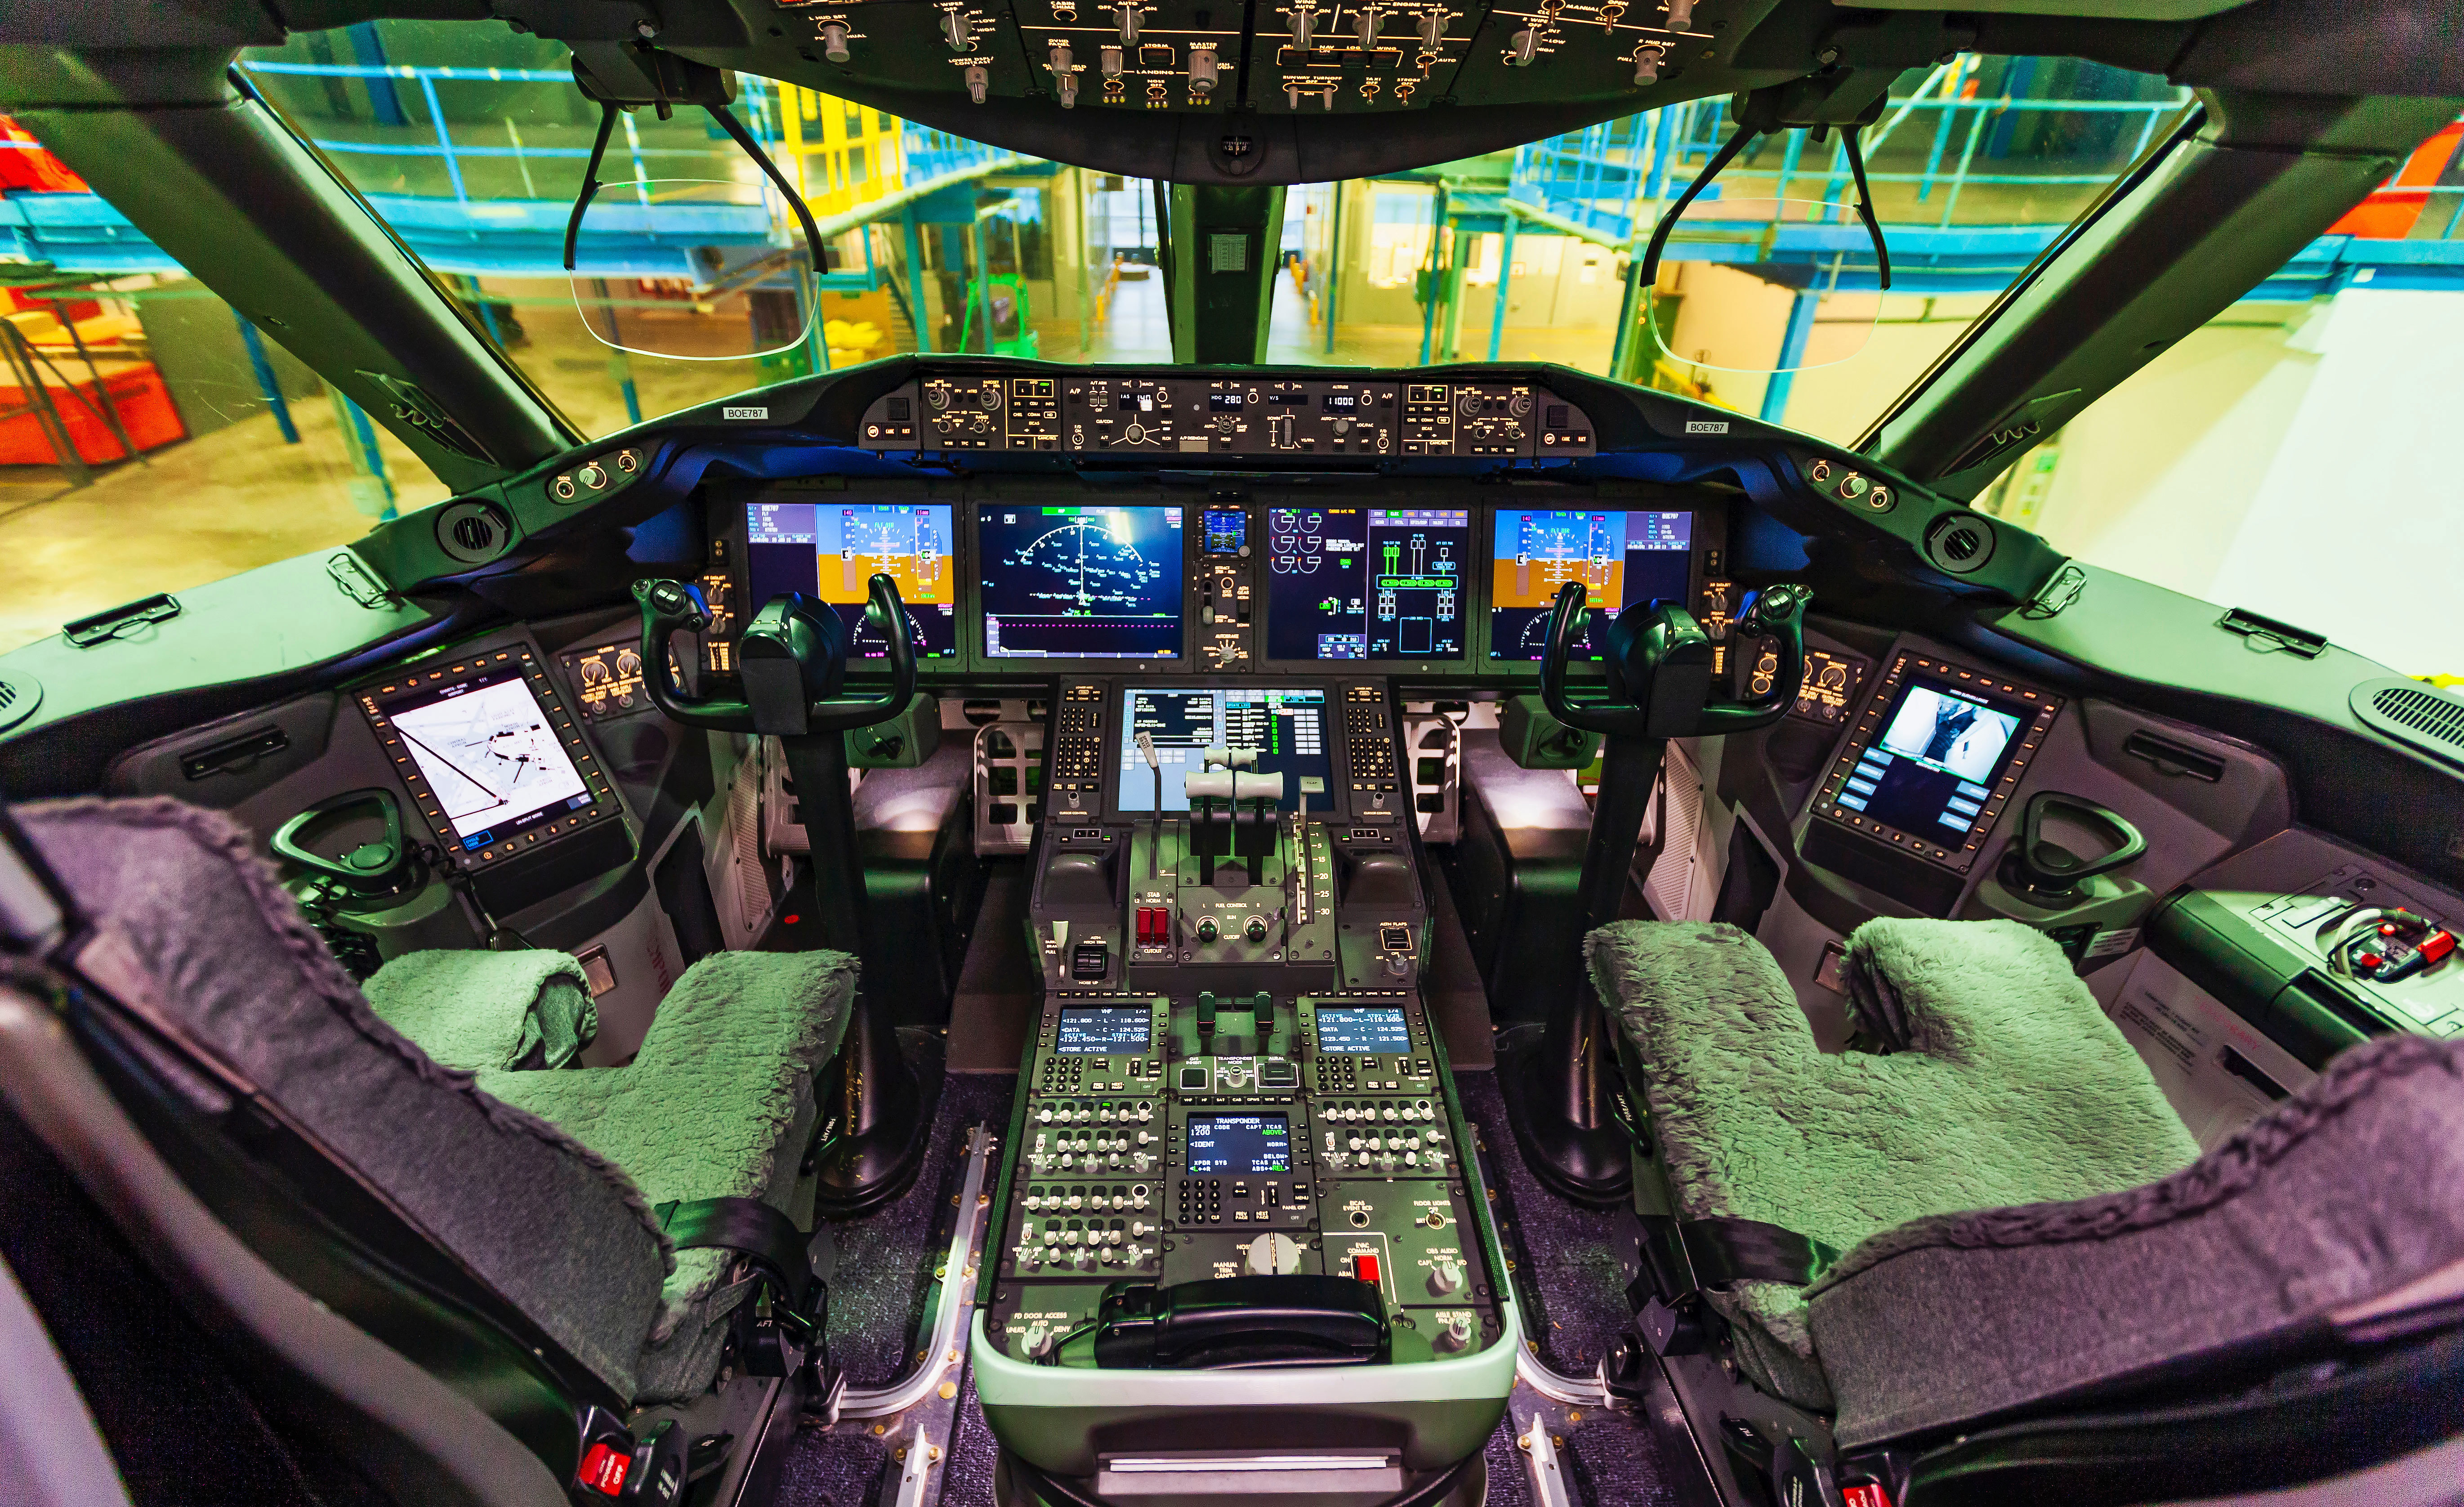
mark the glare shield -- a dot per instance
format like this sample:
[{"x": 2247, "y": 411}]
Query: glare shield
[
  {"x": 1765, "y": 286},
  {"x": 690, "y": 269}
]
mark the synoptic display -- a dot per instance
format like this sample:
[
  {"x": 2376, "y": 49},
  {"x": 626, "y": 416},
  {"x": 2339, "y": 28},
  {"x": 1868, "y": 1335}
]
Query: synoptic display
[
  {"x": 1621, "y": 558},
  {"x": 1081, "y": 583},
  {"x": 832, "y": 552},
  {"x": 1366, "y": 583}
]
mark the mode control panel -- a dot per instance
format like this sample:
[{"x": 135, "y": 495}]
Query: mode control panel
[{"x": 1363, "y": 416}]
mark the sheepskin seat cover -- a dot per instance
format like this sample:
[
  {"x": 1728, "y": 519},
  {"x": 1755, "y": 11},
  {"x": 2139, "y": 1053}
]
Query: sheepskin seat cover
[
  {"x": 488, "y": 1009},
  {"x": 1992, "y": 1078}
]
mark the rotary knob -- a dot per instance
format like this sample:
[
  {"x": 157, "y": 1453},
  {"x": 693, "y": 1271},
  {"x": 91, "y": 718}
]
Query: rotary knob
[
  {"x": 1454, "y": 1335},
  {"x": 1206, "y": 932},
  {"x": 1256, "y": 929},
  {"x": 937, "y": 398},
  {"x": 1273, "y": 1256},
  {"x": 988, "y": 397},
  {"x": 1519, "y": 404},
  {"x": 1446, "y": 1277},
  {"x": 1469, "y": 404}
]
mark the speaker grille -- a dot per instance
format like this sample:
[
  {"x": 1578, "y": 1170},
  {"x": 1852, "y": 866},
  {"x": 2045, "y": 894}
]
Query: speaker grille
[
  {"x": 18, "y": 698},
  {"x": 2427, "y": 720}
]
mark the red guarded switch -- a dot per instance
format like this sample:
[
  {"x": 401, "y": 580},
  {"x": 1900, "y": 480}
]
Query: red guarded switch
[
  {"x": 603, "y": 1468},
  {"x": 1365, "y": 1268}
]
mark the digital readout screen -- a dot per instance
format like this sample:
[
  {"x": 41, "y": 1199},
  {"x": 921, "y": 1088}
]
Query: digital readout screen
[
  {"x": 1243, "y": 1145},
  {"x": 1363, "y": 1033},
  {"x": 1102, "y": 1031}
]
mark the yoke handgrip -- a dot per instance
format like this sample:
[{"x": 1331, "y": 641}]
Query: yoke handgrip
[
  {"x": 1241, "y": 1321},
  {"x": 888, "y": 615},
  {"x": 1567, "y": 621},
  {"x": 668, "y": 606}
]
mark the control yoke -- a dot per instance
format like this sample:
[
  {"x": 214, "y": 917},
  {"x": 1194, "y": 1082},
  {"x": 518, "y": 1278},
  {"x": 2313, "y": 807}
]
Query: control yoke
[
  {"x": 1660, "y": 667},
  {"x": 792, "y": 657},
  {"x": 793, "y": 661}
]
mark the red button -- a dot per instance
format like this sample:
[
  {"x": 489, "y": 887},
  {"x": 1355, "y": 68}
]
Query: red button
[
  {"x": 1365, "y": 1268},
  {"x": 603, "y": 1468}
]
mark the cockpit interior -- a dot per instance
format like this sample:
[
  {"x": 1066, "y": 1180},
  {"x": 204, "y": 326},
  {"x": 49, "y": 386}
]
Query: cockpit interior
[{"x": 953, "y": 926}]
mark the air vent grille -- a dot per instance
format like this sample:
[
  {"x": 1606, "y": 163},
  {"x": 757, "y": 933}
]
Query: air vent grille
[
  {"x": 18, "y": 697},
  {"x": 1959, "y": 542},
  {"x": 2427, "y": 720}
]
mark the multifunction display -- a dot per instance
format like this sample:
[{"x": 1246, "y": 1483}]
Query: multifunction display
[
  {"x": 1081, "y": 583},
  {"x": 1239, "y": 1146},
  {"x": 1934, "y": 758},
  {"x": 1366, "y": 583},
  {"x": 1367, "y": 1033},
  {"x": 1286, "y": 730},
  {"x": 491, "y": 757},
  {"x": 833, "y": 550},
  {"x": 1621, "y": 558},
  {"x": 1102, "y": 1031}
]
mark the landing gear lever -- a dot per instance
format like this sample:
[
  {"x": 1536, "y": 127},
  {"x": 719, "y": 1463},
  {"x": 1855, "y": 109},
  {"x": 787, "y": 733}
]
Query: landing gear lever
[
  {"x": 793, "y": 661},
  {"x": 1659, "y": 665}
]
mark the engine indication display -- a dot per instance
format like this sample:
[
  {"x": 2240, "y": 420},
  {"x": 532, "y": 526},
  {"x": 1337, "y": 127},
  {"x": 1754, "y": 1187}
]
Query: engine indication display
[
  {"x": 1285, "y": 729},
  {"x": 832, "y": 552},
  {"x": 1239, "y": 1146},
  {"x": 1081, "y": 583},
  {"x": 1621, "y": 558},
  {"x": 1102, "y": 1031},
  {"x": 1366, "y": 583},
  {"x": 1367, "y": 1031}
]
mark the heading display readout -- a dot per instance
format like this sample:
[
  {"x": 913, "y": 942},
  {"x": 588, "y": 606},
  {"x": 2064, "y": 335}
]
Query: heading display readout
[
  {"x": 1239, "y": 1146},
  {"x": 1621, "y": 558},
  {"x": 1081, "y": 583},
  {"x": 1367, "y": 1031},
  {"x": 1347, "y": 583},
  {"x": 831, "y": 551},
  {"x": 1102, "y": 1031}
]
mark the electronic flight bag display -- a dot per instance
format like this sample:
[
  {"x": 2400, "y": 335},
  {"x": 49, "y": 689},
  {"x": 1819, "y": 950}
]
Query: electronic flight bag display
[
  {"x": 1081, "y": 583},
  {"x": 1349, "y": 583},
  {"x": 831, "y": 551},
  {"x": 1621, "y": 558}
]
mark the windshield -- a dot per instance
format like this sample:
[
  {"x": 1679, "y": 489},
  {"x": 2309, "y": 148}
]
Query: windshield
[{"x": 471, "y": 140}]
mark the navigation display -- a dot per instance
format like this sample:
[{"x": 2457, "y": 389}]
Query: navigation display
[
  {"x": 1286, "y": 729},
  {"x": 1933, "y": 770},
  {"x": 1242, "y": 1145},
  {"x": 1347, "y": 583},
  {"x": 1363, "y": 1033},
  {"x": 490, "y": 754},
  {"x": 1081, "y": 583},
  {"x": 1621, "y": 558},
  {"x": 1102, "y": 1031},
  {"x": 832, "y": 551}
]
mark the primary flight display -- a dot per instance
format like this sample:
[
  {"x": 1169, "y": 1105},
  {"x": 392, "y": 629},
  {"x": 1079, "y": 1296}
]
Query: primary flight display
[
  {"x": 1621, "y": 558},
  {"x": 833, "y": 550}
]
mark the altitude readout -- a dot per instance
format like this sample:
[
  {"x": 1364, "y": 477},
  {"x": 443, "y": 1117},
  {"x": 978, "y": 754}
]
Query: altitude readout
[
  {"x": 1366, "y": 583},
  {"x": 1365, "y": 1032},
  {"x": 1242, "y": 1145},
  {"x": 1102, "y": 1031}
]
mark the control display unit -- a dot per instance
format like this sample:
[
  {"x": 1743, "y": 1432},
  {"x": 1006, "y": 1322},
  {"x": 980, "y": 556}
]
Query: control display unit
[
  {"x": 1349, "y": 583},
  {"x": 1363, "y": 1031},
  {"x": 1238, "y": 1144},
  {"x": 1100, "y": 1031},
  {"x": 1621, "y": 558},
  {"x": 494, "y": 762},
  {"x": 832, "y": 551},
  {"x": 1935, "y": 757},
  {"x": 1283, "y": 731},
  {"x": 1081, "y": 583}
]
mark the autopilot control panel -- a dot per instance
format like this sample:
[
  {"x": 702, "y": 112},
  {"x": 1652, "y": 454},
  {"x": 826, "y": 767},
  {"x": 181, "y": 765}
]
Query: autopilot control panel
[{"x": 1234, "y": 1071}]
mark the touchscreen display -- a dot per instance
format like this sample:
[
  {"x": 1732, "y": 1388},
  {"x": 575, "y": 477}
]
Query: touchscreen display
[
  {"x": 833, "y": 550},
  {"x": 1081, "y": 583},
  {"x": 1347, "y": 583},
  {"x": 1286, "y": 729},
  {"x": 490, "y": 754},
  {"x": 1932, "y": 768},
  {"x": 1621, "y": 558},
  {"x": 1227, "y": 531},
  {"x": 1102, "y": 1031},
  {"x": 1363, "y": 1033},
  {"x": 1239, "y": 1146}
]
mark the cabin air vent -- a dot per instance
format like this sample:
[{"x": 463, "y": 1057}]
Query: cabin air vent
[
  {"x": 1959, "y": 542},
  {"x": 19, "y": 696},
  {"x": 473, "y": 532},
  {"x": 2414, "y": 714}
]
